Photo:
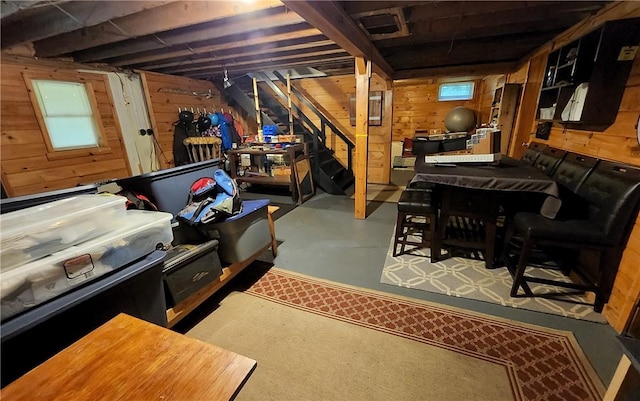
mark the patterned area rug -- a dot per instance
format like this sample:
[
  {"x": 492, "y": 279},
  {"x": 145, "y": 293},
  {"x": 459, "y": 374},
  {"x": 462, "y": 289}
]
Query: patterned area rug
[
  {"x": 535, "y": 362},
  {"x": 468, "y": 278}
]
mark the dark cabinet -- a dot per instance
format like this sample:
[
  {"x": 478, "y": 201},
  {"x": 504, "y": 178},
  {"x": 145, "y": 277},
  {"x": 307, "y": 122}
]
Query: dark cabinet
[{"x": 584, "y": 80}]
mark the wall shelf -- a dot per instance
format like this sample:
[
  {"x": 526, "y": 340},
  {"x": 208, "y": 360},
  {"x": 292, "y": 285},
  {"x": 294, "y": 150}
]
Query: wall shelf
[{"x": 587, "y": 77}]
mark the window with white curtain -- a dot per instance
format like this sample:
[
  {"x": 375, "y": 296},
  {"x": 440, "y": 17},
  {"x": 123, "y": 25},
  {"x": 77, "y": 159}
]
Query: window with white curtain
[{"x": 67, "y": 114}]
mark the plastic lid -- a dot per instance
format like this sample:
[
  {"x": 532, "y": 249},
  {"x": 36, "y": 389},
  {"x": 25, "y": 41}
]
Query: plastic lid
[{"x": 53, "y": 214}]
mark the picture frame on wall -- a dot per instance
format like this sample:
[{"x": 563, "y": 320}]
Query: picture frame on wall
[{"x": 375, "y": 108}]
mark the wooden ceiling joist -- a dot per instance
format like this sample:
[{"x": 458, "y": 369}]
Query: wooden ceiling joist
[
  {"x": 313, "y": 62},
  {"x": 170, "y": 16},
  {"x": 230, "y": 26},
  {"x": 331, "y": 19},
  {"x": 473, "y": 70},
  {"x": 248, "y": 39},
  {"x": 294, "y": 55},
  {"x": 56, "y": 18},
  {"x": 299, "y": 46}
]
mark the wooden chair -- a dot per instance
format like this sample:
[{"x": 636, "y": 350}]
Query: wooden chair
[{"x": 203, "y": 148}]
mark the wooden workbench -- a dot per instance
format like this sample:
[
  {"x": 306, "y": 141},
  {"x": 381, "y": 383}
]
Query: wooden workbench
[{"x": 131, "y": 359}]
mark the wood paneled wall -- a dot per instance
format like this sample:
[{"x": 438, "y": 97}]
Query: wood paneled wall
[
  {"x": 332, "y": 94},
  {"x": 26, "y": 169},
  {"x": 416, "y": 106},
  {"x": 166, "y": 93}
]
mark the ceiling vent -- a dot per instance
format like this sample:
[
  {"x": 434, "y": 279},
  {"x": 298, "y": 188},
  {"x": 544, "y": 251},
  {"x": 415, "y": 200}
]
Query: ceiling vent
[{"x": 383, "y": 24}]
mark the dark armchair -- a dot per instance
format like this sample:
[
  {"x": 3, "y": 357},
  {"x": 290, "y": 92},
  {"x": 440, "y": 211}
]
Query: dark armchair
[{"x": 610, "y": 193}]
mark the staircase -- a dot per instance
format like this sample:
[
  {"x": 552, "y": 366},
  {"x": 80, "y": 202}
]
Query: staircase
[{"x": 328, "y": 172}]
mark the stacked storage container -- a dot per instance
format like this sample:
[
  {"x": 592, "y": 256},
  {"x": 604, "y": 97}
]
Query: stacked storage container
[{"x": 51, "y": 249}]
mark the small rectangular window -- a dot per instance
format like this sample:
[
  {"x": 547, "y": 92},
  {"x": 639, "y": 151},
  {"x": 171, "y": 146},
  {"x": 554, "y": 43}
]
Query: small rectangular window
[
  {"x": 455, "y": 91},
  {"x": 67, "y": 114},
  {"x": 67, "y": 111}
]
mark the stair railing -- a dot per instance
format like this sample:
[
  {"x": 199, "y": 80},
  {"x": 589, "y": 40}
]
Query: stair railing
[
  {"x": 324, "y": 121},
  {"x": 318, "y": 135}
]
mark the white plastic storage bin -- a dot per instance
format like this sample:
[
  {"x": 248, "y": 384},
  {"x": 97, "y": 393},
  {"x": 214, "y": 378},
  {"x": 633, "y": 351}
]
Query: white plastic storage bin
[
  {"x": 39, "y": 231},
  {"x": 244, "y": 234},
  {"x": 138, "y": 234}
]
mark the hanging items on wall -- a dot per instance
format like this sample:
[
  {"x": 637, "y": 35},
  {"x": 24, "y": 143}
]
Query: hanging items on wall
[{"x": 183, "y": 128}]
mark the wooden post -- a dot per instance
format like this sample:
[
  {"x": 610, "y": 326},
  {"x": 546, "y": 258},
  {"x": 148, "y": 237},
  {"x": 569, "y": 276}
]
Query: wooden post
[
  {"x": 257, "y": 106},
  {"x": 529, "y": 100},
  {"x": 289, "y": 103},
  {"x": 363, "y": 79},
  {"x": 387, "y": 113}
]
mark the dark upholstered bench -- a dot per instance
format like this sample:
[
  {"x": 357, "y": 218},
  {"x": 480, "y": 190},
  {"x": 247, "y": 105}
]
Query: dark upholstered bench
[{"x": 603, "y": 199}]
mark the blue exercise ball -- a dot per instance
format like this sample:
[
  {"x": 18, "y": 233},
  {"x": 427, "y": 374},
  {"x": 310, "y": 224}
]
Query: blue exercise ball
[{"x": 460, "y": 119}]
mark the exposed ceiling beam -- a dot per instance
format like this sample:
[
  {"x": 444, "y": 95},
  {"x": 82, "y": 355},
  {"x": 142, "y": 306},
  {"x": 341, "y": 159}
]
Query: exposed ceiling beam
[
  {"x": 170, "y": 16},
  {"x": 248, "y": 39},
  {"x": 238, "y": 70},
  {"x": 263, "y": 19},
  {"x": 475, "y": 69},
  {"x": 296, "y": 55},
  {"x": 56, "y": 18},
  {"x": 237, "y": 52},
  {"x": 330, "y": 18}
]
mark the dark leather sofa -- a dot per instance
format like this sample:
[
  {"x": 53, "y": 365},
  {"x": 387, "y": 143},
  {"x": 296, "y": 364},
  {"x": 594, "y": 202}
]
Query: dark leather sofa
[{"x": 600, "y": 205}]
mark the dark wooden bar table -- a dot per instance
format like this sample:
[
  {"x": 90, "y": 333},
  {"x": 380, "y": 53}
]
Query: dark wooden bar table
[{"x": 472, "y": 193}]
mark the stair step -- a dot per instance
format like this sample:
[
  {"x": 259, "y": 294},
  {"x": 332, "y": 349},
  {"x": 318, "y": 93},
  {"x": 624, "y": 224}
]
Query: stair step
[
  {"x": 325, "y": 154},
  {"x": 346, "y": 180},
  {"x": 332, "y": 168}
]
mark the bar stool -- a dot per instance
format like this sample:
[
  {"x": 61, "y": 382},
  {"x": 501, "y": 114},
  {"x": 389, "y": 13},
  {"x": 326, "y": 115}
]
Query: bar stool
[{"x": 414, "y": 204}]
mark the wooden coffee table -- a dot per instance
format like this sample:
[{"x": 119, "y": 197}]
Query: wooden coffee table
[{"x": 130, "y": 359}]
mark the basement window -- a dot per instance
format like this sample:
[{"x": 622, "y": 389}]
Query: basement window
[
  {"x": 455, "y": 91},
  {"x": 68, "y": 116}
]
